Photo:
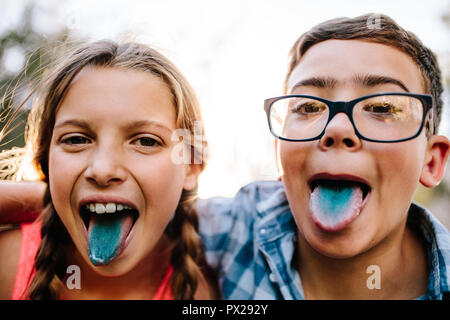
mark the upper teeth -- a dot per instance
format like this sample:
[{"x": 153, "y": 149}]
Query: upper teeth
[{"x": 108, "y": 207}]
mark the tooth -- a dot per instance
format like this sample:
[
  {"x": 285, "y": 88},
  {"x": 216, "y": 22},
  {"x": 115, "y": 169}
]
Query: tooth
[
  {"x": 125, "y": 206},
  {"x": 119, "y": 207},
  {"x": 110, "y": 207},
  {"x": 100, "y": 208},
  {"x": 92, "y": 207}
]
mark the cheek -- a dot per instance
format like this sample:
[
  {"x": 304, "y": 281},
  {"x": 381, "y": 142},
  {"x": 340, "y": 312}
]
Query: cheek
[
  {"x": 399, "y": 167},
  {"x": 62, "y": 174},
  {"x": 291, "y": 156},
  {"x": 293, "y": 162},
  {"x": 162, "y": 184}
]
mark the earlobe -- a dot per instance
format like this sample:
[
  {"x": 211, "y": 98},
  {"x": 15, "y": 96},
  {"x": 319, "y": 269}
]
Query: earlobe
[{"x": 435, "y": 161}]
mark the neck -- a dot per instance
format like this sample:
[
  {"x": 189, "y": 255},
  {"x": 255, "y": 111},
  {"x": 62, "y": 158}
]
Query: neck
[
  {"x": 139, "y": 283},
  {"x": 399, "y": 262}
]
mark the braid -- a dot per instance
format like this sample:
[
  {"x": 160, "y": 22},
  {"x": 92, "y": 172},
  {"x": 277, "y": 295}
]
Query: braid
[
  {"x": 187, "y": 254},
  {"x": 50, "y": 259}
]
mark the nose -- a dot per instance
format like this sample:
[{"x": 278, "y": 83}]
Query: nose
[
  {"x": 105, "y": 167},
  {"x": 340, "y": 134}
]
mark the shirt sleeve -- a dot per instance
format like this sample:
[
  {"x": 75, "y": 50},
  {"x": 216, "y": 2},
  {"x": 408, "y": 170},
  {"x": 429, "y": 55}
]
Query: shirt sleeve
[{"x": 216, "y": 222}]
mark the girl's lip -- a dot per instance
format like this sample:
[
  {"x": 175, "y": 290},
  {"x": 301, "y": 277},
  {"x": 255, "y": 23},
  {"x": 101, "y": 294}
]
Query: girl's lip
[
  {"x": 127, "y": 240},
  {"x": 106, "y": 199}
]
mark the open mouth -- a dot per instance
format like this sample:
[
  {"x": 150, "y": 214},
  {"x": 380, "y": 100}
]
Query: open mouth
[
  {"x": 106, "y": 211},
  {"x": 108, "y": 226},
  {"x": 336, "y": 202},
  {"x": 341, "y": 184}
]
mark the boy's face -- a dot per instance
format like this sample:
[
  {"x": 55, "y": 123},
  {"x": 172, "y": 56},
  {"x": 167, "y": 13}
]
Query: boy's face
[{"x": 391, "y": 170}]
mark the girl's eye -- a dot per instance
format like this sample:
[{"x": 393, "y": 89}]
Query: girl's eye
[
  {"x": 147, "y": 142},
  {"x": 75, "y": 140}
]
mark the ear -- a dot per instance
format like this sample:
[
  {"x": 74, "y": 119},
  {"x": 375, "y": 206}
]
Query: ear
[
  {"x": 435, "y": 161},
  {"x": 191, "y": 178}
]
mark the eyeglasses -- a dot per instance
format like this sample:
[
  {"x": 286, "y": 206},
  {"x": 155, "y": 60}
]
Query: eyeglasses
[{"x": 381, "y": 117}]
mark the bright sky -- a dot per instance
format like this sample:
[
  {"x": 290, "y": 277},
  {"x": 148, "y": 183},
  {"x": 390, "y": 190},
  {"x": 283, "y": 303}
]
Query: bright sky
[{"x": 234, "y": 53}]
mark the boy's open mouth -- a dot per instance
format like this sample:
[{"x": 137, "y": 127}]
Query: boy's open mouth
[
  {"x": 336, "y": 202},
  {"x": 108, "y": 226}
]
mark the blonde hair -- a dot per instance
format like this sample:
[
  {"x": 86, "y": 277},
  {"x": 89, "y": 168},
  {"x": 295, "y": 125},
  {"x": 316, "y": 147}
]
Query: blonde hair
[{"x": 187, "y": 256}]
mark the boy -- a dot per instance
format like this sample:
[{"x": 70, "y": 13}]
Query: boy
[{"x": 341, "y": 225}]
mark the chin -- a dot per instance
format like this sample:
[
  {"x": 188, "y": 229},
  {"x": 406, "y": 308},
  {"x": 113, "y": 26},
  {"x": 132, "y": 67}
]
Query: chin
[{"x": 344, "y": 244}]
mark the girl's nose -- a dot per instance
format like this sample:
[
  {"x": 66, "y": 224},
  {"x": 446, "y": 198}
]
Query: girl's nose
[{"x": 105, "y": 168}]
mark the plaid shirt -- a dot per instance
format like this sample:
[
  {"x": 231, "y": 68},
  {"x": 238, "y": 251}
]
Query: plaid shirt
[{"x": 250, "y": 242}]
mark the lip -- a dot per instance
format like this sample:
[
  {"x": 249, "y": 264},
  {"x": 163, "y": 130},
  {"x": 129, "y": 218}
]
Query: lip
[
  {"x": 106, "y": 199},
  {"x": 101, "y": 198},
  {"x": 340, "y": 176},
  {"x": 345, "y": 177}
]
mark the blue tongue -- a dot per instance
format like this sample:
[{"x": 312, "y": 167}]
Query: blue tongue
[
  {"x": 333, "y": 205},
  {"x": 334, "y": 200},
  {"x": 107, "y": 234}
]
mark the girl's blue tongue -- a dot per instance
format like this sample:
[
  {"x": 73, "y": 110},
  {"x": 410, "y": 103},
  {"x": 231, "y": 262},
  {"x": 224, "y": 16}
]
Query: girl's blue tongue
[
  {"x": 106, "y": 235},
  {"x": 334, "y": 205}
]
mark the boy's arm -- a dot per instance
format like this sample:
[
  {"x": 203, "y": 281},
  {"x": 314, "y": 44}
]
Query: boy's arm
[{"x": 20, "y": 201}]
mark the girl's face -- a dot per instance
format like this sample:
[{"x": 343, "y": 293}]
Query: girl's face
[{"x": 111, "y": 148}]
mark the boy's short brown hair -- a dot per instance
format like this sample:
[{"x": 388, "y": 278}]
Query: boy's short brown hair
[{"x": 385, "y": 31}]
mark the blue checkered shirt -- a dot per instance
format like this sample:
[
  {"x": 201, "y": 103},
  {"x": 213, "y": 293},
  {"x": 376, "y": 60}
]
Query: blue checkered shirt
[{"x": 250, "y": 242}]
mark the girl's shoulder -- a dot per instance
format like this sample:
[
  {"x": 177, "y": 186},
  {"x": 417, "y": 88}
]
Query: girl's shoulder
[{"x": 10, "y": 241}]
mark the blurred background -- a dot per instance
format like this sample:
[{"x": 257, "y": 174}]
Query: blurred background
[{"x": 233, "y": 52}]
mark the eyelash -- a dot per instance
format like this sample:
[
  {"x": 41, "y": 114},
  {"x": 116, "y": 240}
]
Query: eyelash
[
  {"x": 153, "y": 142},
  {"x": 66, "y": 140},
  {"x": 70, "y": 141}
]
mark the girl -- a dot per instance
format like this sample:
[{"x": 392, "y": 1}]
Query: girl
[{"x": 118, "y": 206}]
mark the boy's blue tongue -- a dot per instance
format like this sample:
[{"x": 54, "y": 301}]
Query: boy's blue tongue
[
  {"x": 334, "y": 205},
  {"x": 106, "y": 236}
]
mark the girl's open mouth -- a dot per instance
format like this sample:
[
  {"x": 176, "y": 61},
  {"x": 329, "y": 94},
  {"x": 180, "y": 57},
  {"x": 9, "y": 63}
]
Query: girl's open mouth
[
  {"x": 335, "y": 203},
  {"x": 108, "y": 228}
]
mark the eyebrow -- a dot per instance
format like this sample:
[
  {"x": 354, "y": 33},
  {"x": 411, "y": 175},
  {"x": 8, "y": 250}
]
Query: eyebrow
[
  {"x": 366, "y": 80},
  {"x": 130, "y": 125}
]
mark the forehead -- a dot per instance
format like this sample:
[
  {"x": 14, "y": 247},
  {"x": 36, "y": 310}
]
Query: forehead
[
  {"x": 114, "y": 94},
  {"x": 344, "y": 60}
]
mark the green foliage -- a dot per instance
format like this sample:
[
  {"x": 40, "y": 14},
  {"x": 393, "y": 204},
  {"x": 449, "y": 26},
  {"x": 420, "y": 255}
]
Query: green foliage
[{"x": 36, "y": 49}]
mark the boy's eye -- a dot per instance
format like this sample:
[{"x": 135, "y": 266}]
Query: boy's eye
[
  {"x": 75, "y": 140},
  {"x": 382, "y": 108},
  {"x": 309, "y": 108}
]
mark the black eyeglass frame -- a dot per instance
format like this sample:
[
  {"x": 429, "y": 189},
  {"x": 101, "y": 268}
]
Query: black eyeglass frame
[{"x": 346, "y": 107}]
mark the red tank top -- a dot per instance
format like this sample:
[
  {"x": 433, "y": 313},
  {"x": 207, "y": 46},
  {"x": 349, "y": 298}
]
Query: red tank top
[{"x": 31, "y": 240}]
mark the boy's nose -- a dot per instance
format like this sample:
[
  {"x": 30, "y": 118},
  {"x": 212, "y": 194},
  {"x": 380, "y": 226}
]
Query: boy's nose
[
  {"x": 340, "y": 134},
  {"x": 105, "y": 168}
]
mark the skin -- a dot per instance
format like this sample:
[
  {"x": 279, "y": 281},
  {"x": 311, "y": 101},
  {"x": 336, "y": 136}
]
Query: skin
[
  {"x": 97, "y": 149},
  {"x": 333, "y": 264}
]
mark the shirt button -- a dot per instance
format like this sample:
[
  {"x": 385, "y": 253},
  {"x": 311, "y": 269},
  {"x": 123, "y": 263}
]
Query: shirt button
[
  {"x": 272, "y": 277},
  {"x": 262, "y": 231}
]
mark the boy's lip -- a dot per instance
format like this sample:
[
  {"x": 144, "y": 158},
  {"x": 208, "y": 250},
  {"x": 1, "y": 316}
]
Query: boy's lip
[
  {"x": 367, "y": 188},
  {"x": 335, "y": 176}
]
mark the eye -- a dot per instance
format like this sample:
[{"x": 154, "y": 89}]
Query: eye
[
  {"x": 75, "y": 140},
  {"x": 308, "y": 108},
  {"x": 382, "y": 109},
  {"x": 147, "y": 142}
]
